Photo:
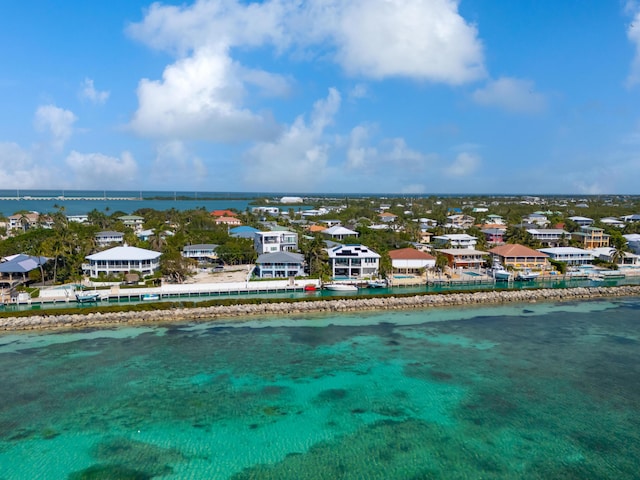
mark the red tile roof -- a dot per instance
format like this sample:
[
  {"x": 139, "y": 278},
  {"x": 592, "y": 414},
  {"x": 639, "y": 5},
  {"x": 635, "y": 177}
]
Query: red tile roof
[
  {"x": 223, "y": 213},
  {"x": 409, "y": 254}
]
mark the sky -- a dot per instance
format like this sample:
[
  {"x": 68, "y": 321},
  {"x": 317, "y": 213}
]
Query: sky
[{"x": 322, "y": 96}]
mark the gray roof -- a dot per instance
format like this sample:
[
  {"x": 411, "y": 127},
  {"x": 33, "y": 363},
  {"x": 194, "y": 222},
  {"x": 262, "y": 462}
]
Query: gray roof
[
  {"x": 21, "y": 263},
  {"x": 200, "y": 246},
  {"x": 281, "y": 257}
]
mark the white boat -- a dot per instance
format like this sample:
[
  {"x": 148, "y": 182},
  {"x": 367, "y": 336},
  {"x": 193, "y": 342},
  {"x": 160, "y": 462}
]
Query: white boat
[
  {"x": 341, "y": 287},
  {"x": 87, "y": 297},
  {"x": 377, "y": 284},
  {"x": 499, "y": 273},
  {"x": 150, "y": 297},
  {"x": 527, "y": 276}
]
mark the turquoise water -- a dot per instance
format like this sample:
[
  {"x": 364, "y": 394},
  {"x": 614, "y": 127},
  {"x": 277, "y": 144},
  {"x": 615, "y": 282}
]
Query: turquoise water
[{"x": 537, "y": 391}]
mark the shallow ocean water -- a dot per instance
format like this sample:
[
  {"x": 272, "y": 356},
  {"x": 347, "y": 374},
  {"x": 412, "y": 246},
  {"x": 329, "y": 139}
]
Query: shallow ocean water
[{"x": 521, "y": 391}]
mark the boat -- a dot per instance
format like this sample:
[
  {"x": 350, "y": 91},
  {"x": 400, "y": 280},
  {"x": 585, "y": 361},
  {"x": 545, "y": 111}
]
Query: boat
[
  {"x": 310, "y": 288},
  {"x": 341, "y": 287},
  {"x": 150, "y": 297},
  {"x": 377, "y": 284},
  {"x": 499, "y": 273},
  {"x": 87, "y": 297},
  {"x": 527, "y": 276}
]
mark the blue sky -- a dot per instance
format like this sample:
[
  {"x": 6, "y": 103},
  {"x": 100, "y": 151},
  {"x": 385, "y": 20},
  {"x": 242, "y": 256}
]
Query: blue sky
[{"x": 364, "y": 96}]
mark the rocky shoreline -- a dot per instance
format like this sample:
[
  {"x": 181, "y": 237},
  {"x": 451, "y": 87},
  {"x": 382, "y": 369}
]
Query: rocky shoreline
[{"x": 110, "y": 319}]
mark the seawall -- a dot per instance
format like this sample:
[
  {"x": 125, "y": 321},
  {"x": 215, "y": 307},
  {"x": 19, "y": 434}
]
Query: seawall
[{"x": 109, "y": 319}]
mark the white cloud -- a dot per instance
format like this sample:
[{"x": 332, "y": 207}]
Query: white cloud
[
  {"x": 358, "y": 154},
  {"x": 88, "y": 92},
  {"x": 420, "y": 39},
  {"x": 633, "y": 34},
  {"x": 18, "y": 169},
  {"x": 511, "y": 94},
  {"x": 465, "y": 164},
  {"x": 298, "y": 159},
  {"x": 199, "y": 97},
  {"x": 175, "y": 165},
  {"x": 359, "y": 90},
  {"x": 95, "y": 170},
  {"x": 57, "y": 122}
]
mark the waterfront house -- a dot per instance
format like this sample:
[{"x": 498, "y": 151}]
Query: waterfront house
[
  {"x": 280, "y": 265},
  {"x": 266, "y": 210},
  {"x": 23, "y": 221},
  {"x": 353, "y": 261},
  {"x": 464, "y": 257},
  {"x": 121, "y": 260},
  {"x": 410, "y": 261},
  {"x": 606, "y": 254},
  {"x": 519, "y": 257},
  {"x": 338, "y": 232},
  {"x": 454, "y": 240},
  {"x": 18, "y": 266},
  {"x": 570, "y": 255},
  {"x": 106, "y": 238},
  {"x": 591, "y": 237},
  {"x": 633, "y": 241}
]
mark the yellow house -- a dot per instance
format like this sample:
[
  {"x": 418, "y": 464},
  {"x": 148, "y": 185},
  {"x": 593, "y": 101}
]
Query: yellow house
[{"x": 519, "y": 257}]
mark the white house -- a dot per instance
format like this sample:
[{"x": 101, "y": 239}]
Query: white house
[
  {"x": 551, "y": 237},
  {"x": 569, "y": 255},
  {"x": 338, "y": 232},
  {"x": 120, "y": 260},
  {"x": 280, "y": 265},
  {"x": 456, "y": 240},
  {"x": 410, "y": 260},
  {"x": 582, "y": 221},
  {"x": 132, "y": 221},
  {"x": 202, "y": 252},
  {"x": 108, "y": 238},
  {"x": 537, "y": 219},
  {"x": 353, "y": 261},
  {"x": 278, "y": 241}
]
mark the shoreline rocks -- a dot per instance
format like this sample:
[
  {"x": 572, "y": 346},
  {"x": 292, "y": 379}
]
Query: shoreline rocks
[{"x": 110, "y": 319}]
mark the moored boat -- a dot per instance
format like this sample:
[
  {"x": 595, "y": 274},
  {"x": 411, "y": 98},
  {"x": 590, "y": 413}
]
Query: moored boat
[
  {"x": 149, "y": 297},
  {"x": 87, "y": 297},
  {"x": 310, "y": 288},
  {"x": 341, "y": 287},
  {"x": 527, "y": 276},
  {"x": 377, "y": 284},
  {"x": 499, "y": 273}
]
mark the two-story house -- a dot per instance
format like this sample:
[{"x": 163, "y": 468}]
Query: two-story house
[
  {"x": 454, "y": 240},
  {"x": 278, "y": 241},
  {"x": 106, "y": 238},
  {"x": 591, "y": 237},
  {"x": 353, "y": 261}
]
